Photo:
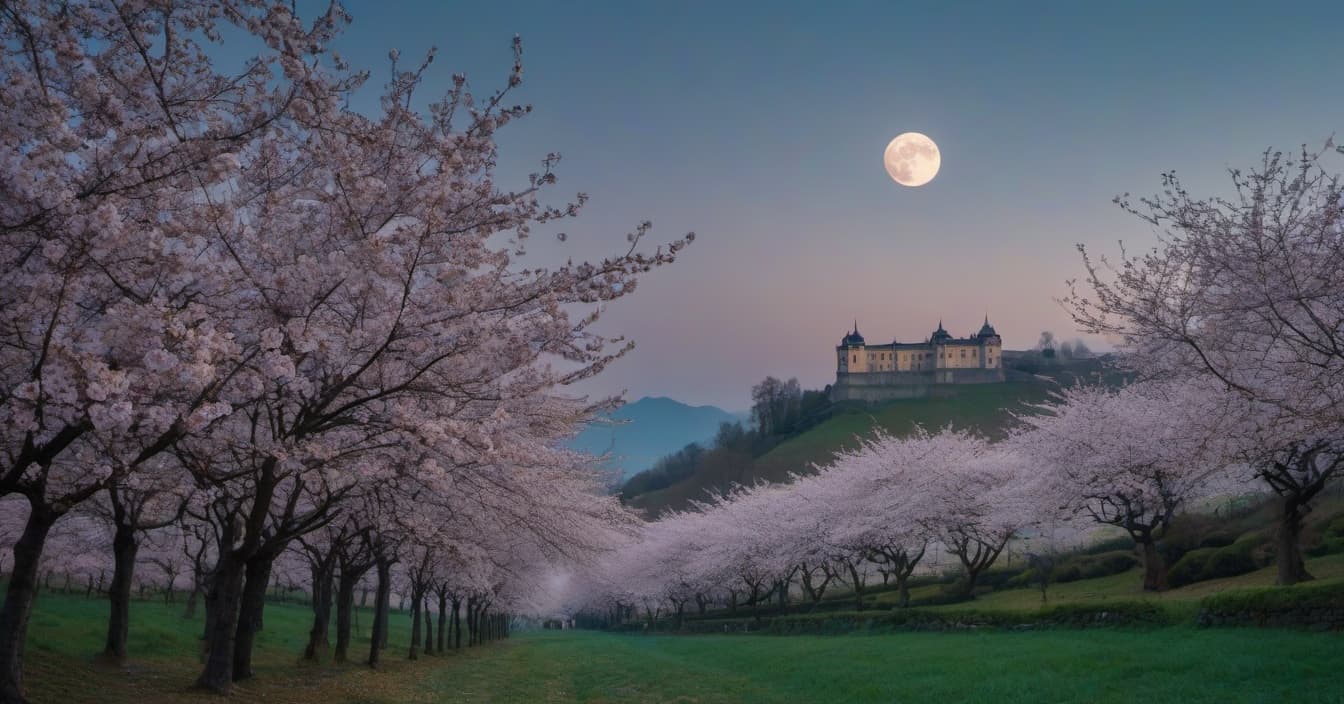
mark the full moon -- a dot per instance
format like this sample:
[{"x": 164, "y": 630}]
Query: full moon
[{"x": 912, "y": 159}]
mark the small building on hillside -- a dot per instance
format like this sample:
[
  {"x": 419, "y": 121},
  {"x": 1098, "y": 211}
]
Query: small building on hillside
[{"x": 894, "y": 370}]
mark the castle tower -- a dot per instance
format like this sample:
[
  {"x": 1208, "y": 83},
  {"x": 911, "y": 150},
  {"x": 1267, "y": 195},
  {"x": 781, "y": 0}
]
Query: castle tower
[
  {"x": 851, "y": 355},
  {"x": 939, "y": 340},
  {"x": 991, "y": 346}
]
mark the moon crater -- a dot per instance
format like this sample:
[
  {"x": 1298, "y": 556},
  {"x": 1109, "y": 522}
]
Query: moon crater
[{"x": 912, "y": 159}]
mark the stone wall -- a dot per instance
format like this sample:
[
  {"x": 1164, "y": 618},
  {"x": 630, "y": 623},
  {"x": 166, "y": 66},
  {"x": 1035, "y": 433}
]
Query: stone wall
[{"x": 873, "y": 387}]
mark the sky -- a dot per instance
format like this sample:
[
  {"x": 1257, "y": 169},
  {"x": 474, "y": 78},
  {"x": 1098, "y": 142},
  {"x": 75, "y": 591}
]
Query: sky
[{"x": 761, "y": 127}]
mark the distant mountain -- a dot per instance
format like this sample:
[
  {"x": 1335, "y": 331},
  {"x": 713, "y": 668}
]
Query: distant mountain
[{"x": 652, "y": 427}]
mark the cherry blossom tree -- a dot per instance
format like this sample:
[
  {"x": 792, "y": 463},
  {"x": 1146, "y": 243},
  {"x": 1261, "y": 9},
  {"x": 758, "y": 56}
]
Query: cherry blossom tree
[
  {"x": 979, "y": 498},
  {"x": 1130, "y": 458},
  {"x": 1248, "y": 291},
  {"x": 148, "y": 500},
  {"x": 116, "y": 124},
  {"x": 393, "y": 314},
  {"x": 276, "y": 290},
  {"x": 1295, "y": 460},
  {"x": 880, "y": 511}
]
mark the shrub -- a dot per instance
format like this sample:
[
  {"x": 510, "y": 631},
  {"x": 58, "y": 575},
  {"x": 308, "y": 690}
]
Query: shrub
[
  {"x": 1218, "y": 539},
  {"x": 1328, "y": 546},
  {"x": 1024, "y": 579},
  {"x": 1121, "y": 542},
  {"x": 1334, "y": 528},
  {"x": 1069, "y": 572},
  {"x": 1094, "y": 565},
  {"x": 1119, "y": 613},
  {"x": 1228, "y": 563},
  {"x": 1188, "y": 569},
  {"x": 1331, "y": 539},
  {"x": 1109, "y": 563},
  {"x": 998, "y": 578},
  {"x": 1215, "y": 563},
  {"x": 1315, "y": 605}
]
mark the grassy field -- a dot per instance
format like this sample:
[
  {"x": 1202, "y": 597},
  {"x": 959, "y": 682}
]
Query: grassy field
[
  {"x": 68, "y": 630},
  {"x": 1172, "y": 664},
  {"x": 986, "y": 408},
  {"x": 1169, "y": 665}
]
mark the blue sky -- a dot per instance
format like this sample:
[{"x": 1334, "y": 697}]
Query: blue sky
[{"x": 761, "y": 127}]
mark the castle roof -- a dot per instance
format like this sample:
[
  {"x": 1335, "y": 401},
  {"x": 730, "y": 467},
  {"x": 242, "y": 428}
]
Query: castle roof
[
  {"x": 940, "y": 335},
  {"x": 986, "y": 330},
  {"x": 852, "y": 339}
]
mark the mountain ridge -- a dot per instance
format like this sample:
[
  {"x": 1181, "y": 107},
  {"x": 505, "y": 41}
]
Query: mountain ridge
[{"x": 639, "y": 433}]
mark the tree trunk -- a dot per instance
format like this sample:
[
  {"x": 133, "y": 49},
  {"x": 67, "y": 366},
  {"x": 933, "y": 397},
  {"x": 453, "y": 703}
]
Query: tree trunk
[
  {"x": 19, "y": 596},
  {"x": 190, "y": 611},
  {"x": 457, "y": 624},
  {"x": 471, "y": 621},
  {"x": 345, "y": 604},
  {"x": 124, "y": 549},
  {"x": 443, "y": 622},
  {"x": 222, "y": 602},
  {"x": 902, "y": 589},
  {"x": 250, "y": 608},
  {"x": 414, "y": 652},
  {"x": 380, "y": 611},
  {"x": 1154, "y": 567},
  {"x": 1288, "y": 544},
  {"x": 856, "y": 581},
  {"x": 209, "y": 626},
  {"x": 318, "y": 643},
  {"x": 429, "y": 627}
]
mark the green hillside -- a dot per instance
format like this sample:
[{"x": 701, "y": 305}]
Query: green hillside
[{"x": 986, "y": 408}]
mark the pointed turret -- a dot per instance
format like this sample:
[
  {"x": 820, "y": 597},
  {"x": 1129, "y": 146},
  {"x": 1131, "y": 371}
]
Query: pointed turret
[
  {"x": 853, "y": 339},
  {"x": 940, "y": 335},
  {"x": 987, "y": 330}
]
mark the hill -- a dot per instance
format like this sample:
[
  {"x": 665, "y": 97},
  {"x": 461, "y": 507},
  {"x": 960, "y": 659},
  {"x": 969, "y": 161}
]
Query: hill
[
  {"x": 986, "y": 408},
  {"x": 639, "y": 433}
]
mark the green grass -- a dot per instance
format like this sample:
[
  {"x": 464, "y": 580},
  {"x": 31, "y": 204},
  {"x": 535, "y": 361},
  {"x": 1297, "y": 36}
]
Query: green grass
[
  {"x": 67, "y": 632},
  {"x": 985, "y": 408},
  {"x": 1102, "y": 665},
  {"x": 1175, "y": 664}
]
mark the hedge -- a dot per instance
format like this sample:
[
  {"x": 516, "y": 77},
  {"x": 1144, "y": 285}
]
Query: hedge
[
  {"x": 1118, "y": 613},
  {"x": 1310, "y": 605},
  {"x": 1082, "y": 566}
]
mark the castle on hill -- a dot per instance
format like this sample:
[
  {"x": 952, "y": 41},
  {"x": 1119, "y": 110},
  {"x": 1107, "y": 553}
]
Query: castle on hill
[{"x": 866, "y": 372}]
